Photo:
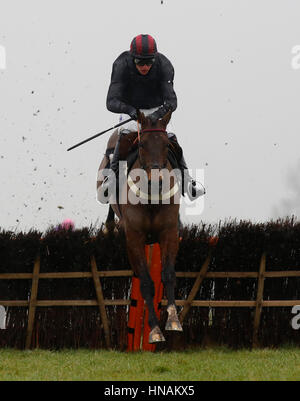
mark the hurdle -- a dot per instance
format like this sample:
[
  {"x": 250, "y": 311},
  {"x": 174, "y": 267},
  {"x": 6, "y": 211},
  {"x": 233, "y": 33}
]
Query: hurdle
[{"x": 138, "y": 327}]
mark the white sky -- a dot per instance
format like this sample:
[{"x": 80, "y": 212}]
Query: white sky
[{"x": 238, "y": 102}]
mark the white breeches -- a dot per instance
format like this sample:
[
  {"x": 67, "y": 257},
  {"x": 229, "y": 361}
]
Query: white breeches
[{"x": 132, "y": 125}]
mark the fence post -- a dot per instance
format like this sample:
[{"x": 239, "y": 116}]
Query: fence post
[
  {"x": 101, "y": 303},
  {"x": 259, "y": 300},
  {"x": 32, "y": 302},
  {"x": 196, "y": 286}
]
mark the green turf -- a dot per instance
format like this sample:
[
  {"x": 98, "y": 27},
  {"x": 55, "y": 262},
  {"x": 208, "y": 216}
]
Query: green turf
[{"x": 209, "y": 364}]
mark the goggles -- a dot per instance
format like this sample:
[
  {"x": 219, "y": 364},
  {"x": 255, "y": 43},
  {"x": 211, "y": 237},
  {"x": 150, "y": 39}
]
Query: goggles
[{"x": 147, "y": 61}]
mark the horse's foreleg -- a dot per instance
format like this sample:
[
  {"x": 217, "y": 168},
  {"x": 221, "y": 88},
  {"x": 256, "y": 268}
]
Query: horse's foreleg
[
  {"x": 138, "y": 261},
  {"x": 110, "y": 220},
  {"x": 169, "y": 247}
]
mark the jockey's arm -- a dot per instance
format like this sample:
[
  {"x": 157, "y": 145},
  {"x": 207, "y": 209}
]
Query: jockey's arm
[
  {"x": 116, "y": 89},
  {"x": 167, "y": 85},
  {"x": 167, "y": 88}
]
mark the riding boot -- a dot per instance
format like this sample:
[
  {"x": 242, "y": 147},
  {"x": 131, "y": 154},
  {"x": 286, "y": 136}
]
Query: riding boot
[
  {"x": 189, "y": 185},
  {"x": 114, "y": 167}
]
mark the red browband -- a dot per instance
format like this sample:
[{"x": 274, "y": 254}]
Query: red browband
[{"x": 138, "y": 138}]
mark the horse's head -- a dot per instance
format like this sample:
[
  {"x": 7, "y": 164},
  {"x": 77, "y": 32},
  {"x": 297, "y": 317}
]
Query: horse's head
[{"x": 153, "y": 143}]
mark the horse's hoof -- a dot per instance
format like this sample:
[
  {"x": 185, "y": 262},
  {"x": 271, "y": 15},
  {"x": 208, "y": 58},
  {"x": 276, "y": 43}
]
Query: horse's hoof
[
  {"x": 173, "y": 325},
  {"x": 109, "y": 228},
  {"x": 173, "y": 322},
  {"x": 156, "y": 336},
  {"x": 105, "y": 230}
]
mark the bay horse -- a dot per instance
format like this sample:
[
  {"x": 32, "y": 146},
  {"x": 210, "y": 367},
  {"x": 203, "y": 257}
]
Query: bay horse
[{"x": 157, "y": 219}]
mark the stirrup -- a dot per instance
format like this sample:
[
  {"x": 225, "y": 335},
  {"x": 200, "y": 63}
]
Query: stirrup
[
  {"x": 194, "y": 191},
  {"x": 103, "y": 191}
]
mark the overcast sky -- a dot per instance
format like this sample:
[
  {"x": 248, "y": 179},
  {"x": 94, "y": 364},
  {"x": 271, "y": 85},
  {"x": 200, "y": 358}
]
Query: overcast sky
[{"x": 238, "y": 89}]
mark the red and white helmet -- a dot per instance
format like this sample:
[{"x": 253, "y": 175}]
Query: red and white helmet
[{"x": 143, "y": 46}]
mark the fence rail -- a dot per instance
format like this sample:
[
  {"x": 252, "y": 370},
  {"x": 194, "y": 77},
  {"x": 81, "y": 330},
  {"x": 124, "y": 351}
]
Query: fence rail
[
  {"x": 129, "y": 273},
  {"x": 32, "y": 303}
]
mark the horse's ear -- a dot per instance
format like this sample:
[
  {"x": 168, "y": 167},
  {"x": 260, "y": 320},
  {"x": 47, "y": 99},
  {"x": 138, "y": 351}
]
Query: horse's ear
[
  {"x": 166, "y": 118},
  {"x": 141, "y": 117}
]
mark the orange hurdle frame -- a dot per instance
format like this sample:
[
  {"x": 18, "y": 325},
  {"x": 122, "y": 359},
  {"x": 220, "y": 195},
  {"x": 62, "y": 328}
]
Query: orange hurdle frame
[{"x": 138, "y": 327}]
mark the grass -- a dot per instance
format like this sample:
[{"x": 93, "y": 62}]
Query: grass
[{"x": 203, "y": 364}]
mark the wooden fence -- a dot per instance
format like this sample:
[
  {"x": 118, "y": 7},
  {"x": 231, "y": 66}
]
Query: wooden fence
[{"x": 32, "y": 303}]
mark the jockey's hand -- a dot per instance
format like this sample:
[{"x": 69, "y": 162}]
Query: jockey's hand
[
  {"x": 154, "y": 117},
  {"x": 159, "y": 113},
  {"x": 133, "y": 114}
]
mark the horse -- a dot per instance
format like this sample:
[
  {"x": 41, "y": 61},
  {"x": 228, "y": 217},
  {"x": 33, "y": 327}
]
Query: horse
[{"x": 157, "y": 220}]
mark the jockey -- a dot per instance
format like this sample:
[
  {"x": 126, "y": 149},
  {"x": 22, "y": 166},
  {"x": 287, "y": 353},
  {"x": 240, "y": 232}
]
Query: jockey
[{"x": 142, "y": 79}]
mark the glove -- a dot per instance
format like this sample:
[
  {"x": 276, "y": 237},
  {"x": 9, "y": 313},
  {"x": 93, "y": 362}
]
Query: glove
[
  {"x": 153, "y": 117},
  {"x": 158, "y": 113},
  {"x": 133, "y": 114}
]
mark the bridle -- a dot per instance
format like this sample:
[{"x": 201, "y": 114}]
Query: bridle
[
  {"x": 148, "y": 130},
  {"x": 139, "y": 140},
  {"x": 165, "y": 196}
]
